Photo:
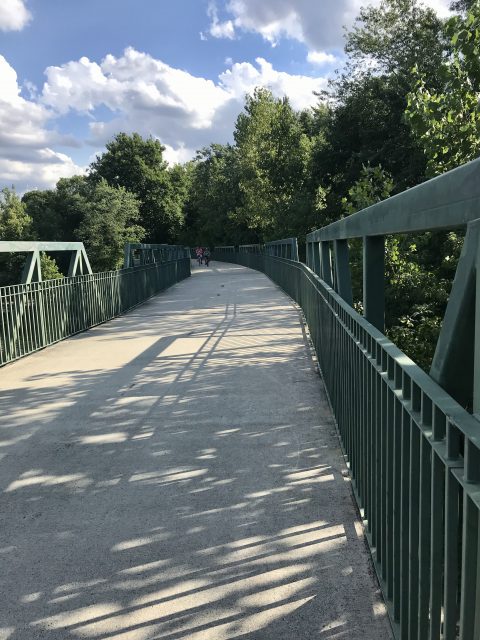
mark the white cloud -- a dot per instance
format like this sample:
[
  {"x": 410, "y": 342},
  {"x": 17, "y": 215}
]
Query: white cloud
[
  {"x": 219, "y": 29},
  {"x": 243, "y": 77},
  {"x": 441, "y": 7},
  {"x": 321, "y": 57},
  {"x": 146, "y": 95},
  {"x": 178, "y": 156},
  {"x": 14, "y": 15},
  {"x": 318, "y": 24},
  {"x": 27, "y": 159}
]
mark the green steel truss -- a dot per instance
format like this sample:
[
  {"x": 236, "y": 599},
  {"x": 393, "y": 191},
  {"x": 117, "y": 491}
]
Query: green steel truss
[
  {"x": 79, "y": 263},
  {"x": 412, "y": 448}
]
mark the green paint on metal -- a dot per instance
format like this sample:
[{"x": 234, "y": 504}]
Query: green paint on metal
[
  {"x": 446, "y": 202},
  {"x": 453, "y": 362},
  {"x": 342, "y": 269},
  {"x": 37, "y": 314},
  {"x": 79, "y": 263},
  {"x": 374, "y": 280},
  {"x": 286, "y": 248},
  {"x": 139, "y": 254},
  {"x": 326, "y": 263}
]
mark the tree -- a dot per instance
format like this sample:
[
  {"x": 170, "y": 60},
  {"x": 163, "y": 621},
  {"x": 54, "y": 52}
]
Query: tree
[
  {"x": 214, "y": 198},
  {"x": 369, "y": 98},
  {"x": 447, "y": 121},
  {"x": 273, "y": 155},
  {"x": 393, "y": 37},
  {"x": 104, "y": 217},
  {"x": 43, "y": 209},
  {"x": 108, "y": 223},
  {"x": 137, "y": 165},
  {"x": 49, "y": 268},
  {"x": 57, "y": 213},
  {"x": 15, "y": 224}
]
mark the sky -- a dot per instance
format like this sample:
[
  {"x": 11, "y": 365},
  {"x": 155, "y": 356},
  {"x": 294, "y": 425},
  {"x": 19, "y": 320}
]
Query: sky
[{"x": 73, "y": 74}]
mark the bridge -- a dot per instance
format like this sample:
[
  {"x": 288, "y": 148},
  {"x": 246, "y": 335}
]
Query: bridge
[{"x": 212, "y": 457}]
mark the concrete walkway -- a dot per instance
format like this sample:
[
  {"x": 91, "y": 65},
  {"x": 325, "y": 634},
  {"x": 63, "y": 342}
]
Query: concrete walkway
[{"x": 175, "y": 474}]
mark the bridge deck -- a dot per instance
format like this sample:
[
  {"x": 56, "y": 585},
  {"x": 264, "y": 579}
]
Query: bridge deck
[{"x": 175, "y": 474}]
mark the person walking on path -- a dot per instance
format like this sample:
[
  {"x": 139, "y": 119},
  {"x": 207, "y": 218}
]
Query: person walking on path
[
  {"x": 199, "y": 252},
  {"x": 206, "y": 256}
]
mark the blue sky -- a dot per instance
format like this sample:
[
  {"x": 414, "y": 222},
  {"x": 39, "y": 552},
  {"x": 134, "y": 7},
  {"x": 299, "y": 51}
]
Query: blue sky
[{"x": 72, "y": 74}]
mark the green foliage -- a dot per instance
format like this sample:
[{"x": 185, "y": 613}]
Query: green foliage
[
  {"x": 391, "y": 38},
  {"x": 415, "y": 335},
  {"x": 104, "y": 217},
  {"x": 374, "y": 185},
  {"x": 49, "y": 268},
  {"x": 15, "y": 224},
  {"x": 273, "y": 161},
  {"x": 446, "y": 120},
  {"x": 137, "y": 165},
  {"x": 45, "y": 210},
  {"x": 109, "y": 222},
  {"x": 57, "y": 213},
  {"x": 214, "y": 198}
]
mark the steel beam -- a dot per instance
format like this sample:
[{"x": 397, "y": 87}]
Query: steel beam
[
  {"x": 453, "y": 363},
  {"x": 374, "y": 281},
  {"x": 446, "y": 202},
  {"x": 32, "y": 271},
  {"x": 342, "y": 269},
  {"x": 326, "y": 263},
  {"x": 316, "y": 267}
]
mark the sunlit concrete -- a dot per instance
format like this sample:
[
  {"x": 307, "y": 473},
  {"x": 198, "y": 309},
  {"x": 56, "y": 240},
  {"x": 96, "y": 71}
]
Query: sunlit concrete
[{"x": 176, "y": 474}]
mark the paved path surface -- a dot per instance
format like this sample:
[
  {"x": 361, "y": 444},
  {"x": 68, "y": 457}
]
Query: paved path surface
[{"x": 175, "y": 474}]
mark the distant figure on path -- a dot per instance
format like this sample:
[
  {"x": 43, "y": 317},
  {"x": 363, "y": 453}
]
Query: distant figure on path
[
  {"x": 199, "y": 252},
  {"x": 206, "y": 255}
]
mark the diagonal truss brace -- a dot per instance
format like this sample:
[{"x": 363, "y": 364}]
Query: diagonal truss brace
[
  {"x": 456, "y": 363},
  {"x": 79, "y": 263}
]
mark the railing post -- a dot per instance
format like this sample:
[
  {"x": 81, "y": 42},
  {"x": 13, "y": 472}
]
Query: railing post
[
  {"x": 295, "y": 249},
  {"x": 126, "y": 256},
  {"x": 342, "y": 268},
  {"x": 326, "y": 262},
  {"x": 374, "y": 280},
  {"x": 316, "y": 266},
  {"x": 476, "y": 353}
]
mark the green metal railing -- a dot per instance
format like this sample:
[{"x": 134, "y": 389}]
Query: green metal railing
[
  {"x": 413, "y": 451},
  {"x": 140, "y": 254},
  {"x": 38, "y": 314},
  {"x": 286, "y": 248}
]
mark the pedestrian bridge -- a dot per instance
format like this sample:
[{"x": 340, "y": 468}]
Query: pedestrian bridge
[{"x": 187, "y": 468}]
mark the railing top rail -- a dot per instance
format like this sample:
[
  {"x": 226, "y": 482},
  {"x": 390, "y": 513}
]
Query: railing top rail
[
  {"x": 22, "y": 287},
  {"x": 14, "y": 246},
  {"x": 142, "y": 245},
  {"x": 283, "y": 241},
  {"x": 445, "y": 202}
]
